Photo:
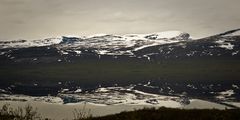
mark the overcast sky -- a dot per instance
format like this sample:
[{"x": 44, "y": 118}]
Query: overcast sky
[{"x": 32, "y": 19}]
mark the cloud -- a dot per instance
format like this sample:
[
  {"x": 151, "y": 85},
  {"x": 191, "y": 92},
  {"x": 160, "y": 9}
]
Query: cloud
[{"x": 42, "y": 18}]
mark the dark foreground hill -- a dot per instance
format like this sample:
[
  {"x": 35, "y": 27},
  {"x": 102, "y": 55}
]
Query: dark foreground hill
[{"x": 174, "y": 114}]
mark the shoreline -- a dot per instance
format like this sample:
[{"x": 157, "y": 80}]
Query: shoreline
[{"x": 65, "y": 111}]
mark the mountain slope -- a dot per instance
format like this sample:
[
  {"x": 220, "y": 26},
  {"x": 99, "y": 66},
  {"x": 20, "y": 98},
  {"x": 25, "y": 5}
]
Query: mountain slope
[{"x": 162, "y": 45}]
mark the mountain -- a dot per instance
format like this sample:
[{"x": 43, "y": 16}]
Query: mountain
[
  {"x": 162, "y": 45},
  {"x": 100, "y": 38}
]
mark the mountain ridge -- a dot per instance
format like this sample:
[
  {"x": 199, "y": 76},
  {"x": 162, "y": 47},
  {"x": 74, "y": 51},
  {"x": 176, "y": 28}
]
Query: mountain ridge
[
  {"x": 138, "y": 46},
  {"x": 70, "y": 39}
]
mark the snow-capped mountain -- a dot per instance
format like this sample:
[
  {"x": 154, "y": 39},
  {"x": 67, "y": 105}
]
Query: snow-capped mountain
[
  {"x": 102, "y": 41},
  {"x": 120, "y": 45},
  {"x": 170, "y": 44}
]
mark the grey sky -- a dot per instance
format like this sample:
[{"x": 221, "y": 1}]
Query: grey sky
[{"x": 32, "y": 19}]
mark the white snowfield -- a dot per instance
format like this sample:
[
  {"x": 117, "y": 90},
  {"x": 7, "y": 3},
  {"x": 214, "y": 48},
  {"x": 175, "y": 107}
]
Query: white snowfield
[
  {"x": 122, "y": 96},
  {"x": 104, "y": 96},
  {"x": 119, "y": 96}
]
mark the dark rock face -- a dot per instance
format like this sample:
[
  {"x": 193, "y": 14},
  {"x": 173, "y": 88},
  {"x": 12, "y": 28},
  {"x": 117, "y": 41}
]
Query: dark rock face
[
  {"x": 68, "y": 40},
  {"x": 183, "y": 36}
]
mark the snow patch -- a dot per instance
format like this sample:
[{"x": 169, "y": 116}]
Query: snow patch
[
  {"x": 224, "y": 44},
  {"x": 235, "y": 86},
  {"x": 228, "y": 46},
  {"x": 235, "y": 53},
  {"x": 102, "y": 90},
  {"x": 78, "y": 90},
  {"x": 64, "y": 53},
  {"x": 2, "y": 53},
  {"x": 78, "y": 51},
  {"x": 168, "y": 34},
  {"x": 64, "y": 90},
  {"x": 225, "y": 94}
]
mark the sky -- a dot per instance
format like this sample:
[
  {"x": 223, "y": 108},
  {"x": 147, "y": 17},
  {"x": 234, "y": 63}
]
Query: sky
[{"x": 35, "y": 19}]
